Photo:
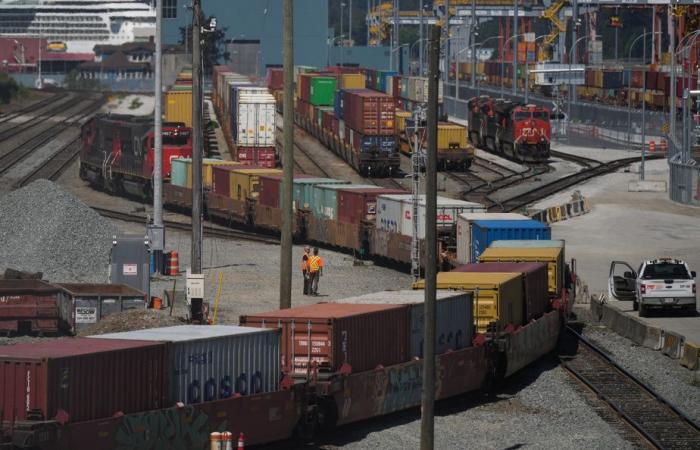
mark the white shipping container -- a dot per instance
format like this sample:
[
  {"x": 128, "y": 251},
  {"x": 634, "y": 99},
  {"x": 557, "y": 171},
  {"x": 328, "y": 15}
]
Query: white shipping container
[
  {"x": 418, "y": 89},
  {"x": 454, "y": 317},
  {"x": 255, "y": 120},
  {"x": 395, "y": 213},
  {"x": 227, "y": 97},
  {"x": 216, "y": 361},
  {"x": 464, "y": 231}
]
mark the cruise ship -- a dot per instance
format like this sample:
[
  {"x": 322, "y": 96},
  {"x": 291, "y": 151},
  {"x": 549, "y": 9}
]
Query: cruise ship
[{"x": 79, "y": 25}]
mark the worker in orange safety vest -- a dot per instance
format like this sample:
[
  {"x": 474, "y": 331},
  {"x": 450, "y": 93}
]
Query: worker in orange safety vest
[
  {"x": 315, "y": 270},
  {"x": 305, "y": 270}
]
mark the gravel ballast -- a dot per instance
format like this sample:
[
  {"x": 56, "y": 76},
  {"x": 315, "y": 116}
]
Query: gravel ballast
[
  {"x": 663, "y": 374},
  {"x": 44, "y": 229}
]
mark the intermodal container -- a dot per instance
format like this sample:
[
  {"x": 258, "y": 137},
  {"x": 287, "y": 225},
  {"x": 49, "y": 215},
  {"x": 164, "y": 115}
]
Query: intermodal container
[
  {"x": 498, "y": 296},
  {"x": 269, "y": 189},
  {"x": 265, "y": 157},
  {"x": 352, "y": 81},
  {"x": 368, "y": 112},
  {"x": 360, "y": 205},
  {"x": 214, "y": 362},
  {"x": 454, "y": 321},
  {"x": 89, "y": 303},
  {"x": 322, "y": 91},
  {"x": 325, "y": 199},
  {"x": 243, "y": 183},
  {"x": 85, "y": 378},
  {"x": 303, "y": 191},
  {"x": 253, "y": 119},
  {"x": 464, "y": 231},
  {"x": 535, "y": 292},
  {"x": 275, "y": 78},
  {"x": 179, "y": 169},
  {"x": 178, "y": 107},
  {"x": 338, "y": 336},
  {"x": 395, "y": 213},
  {"x": 31, "y": 306},
  {"x": 552, "y": 256},
  {"x": 486, "y": 231},
  {"x": 451, "y": 136},
  {"x": 370, "y": 143}
]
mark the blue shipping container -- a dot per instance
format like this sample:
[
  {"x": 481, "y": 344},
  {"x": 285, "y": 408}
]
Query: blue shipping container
[
  {"x": 339, "y": 103},
  {"x": 371, "y": 143},
  {"x": 486, "y": 231}
]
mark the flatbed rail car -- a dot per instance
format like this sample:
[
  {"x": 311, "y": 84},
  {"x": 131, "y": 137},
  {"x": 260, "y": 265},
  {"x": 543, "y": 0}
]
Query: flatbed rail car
[
  {"x": 117, "y": 152},
  {"x": 302, "y": 408},
  {"x": 454, "y": 151},
  {"x": 518, "y": 131}
]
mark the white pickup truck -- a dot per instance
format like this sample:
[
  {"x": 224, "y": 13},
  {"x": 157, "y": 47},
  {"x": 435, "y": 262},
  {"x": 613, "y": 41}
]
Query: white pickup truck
[{"x": 662, "y": 283}]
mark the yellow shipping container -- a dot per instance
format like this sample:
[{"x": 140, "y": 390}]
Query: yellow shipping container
[
  {"x": 352, "y": 81},
  {"x": 553, "y": 256},
  {"x": 598, "y": 78},
  {"x": 499, "y": 299},
  {"x": 244, "y": 182},
  {"x": 178, "y": 107},
  {"x": 451, "y": 135},
  {"x": 401, "y": 117},
  {"x": 208, "y": 170},
  {"x": 666, "y": 58},
  {"x": 480, "y": 68}
]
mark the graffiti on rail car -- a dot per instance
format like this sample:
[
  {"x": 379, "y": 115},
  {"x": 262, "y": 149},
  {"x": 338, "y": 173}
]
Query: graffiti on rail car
[
  {"x": 177, "y": 429},
  {"x": 403, "y": 387}
]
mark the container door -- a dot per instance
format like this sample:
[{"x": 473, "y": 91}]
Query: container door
[
  {"x": 486, "y": 308},
  {"x": 621, "y": 281}
]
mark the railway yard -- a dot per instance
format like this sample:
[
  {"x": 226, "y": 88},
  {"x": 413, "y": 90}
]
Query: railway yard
[{"x": 594, "y": 389}]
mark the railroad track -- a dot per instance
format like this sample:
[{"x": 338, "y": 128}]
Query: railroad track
[
  {"x": 29, "y": 108},
  {"x": 658, "y": 422},
  {"x": 184, "y": 226},
  {"x": 53, "y": 167},
  {"x": 26, "y": 125},
  {"x": 23, "y": 150},
  {"x": 540, "y": 192},
  {"x": 581, "y": 160},
  {"x": 310, "y": 164}
]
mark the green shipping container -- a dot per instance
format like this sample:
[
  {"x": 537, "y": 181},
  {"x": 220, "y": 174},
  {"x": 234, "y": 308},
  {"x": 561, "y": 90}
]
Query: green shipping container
[
  {"x": 325, "y": 199},
  {"x": 322, "y": 91},
  {"x": 178, "y": 172},
  {"x": 303, "y": 188}
]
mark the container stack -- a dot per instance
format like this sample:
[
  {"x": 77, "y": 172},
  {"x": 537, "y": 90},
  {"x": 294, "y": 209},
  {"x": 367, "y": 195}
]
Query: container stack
[{"x": 178, "y": 99}]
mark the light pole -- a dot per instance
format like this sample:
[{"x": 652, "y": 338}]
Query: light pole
[
  {"x": 394, "y": 50},
  {"x": 568, "y": 112},
  {"x": 505, "y": 44},
  {"x": 515, "y": 48},
  {"x": 420, "y": 53},
  {"x": 350, "y": 21},
  {"x": 629, "y": 83},
  {"x": 457, "y": 72},
  {"x": 342, "y": 8},
  {"x": 420, "y": 38}
]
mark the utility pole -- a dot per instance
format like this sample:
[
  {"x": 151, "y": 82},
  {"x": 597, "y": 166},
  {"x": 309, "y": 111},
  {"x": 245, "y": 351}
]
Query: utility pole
[
  {"x": 369, "y": 8},
  {"x": 474, "y": 33},
  {"x": 287, "y": 155},
  {"x": 394, "y": 58},
  {"x": 420, "y": 39},
  {"x": 196, "y": 267},
  {"x": 350, "y": 21},
  {"x": 446, "y": 41},
  {"x": 515, "y": 47},
  {"x": 644, "y": 103},
  {"x": 427, "y": 438},
  {"x": 672, "y": 108},
  {"x": 157, "y": 233}
]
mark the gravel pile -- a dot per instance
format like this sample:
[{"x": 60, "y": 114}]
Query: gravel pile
[
  {"x": 135, "y": 319},
  {"x": 44, "y": 229},
  {"x": 668, "y": 378}
]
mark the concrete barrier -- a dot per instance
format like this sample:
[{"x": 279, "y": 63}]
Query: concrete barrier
[
  {"x": 691, "y": 356},
  {"x": 558, "y": 213},
  {"x": 626, "y": 325},
  {"x": 671, "y": 344}
]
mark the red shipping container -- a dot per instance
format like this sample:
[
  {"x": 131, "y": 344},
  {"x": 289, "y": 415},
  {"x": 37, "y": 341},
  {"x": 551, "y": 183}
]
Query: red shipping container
[
  {"x": 269, "y": 189},
  {"x": 275, "y": 78},
  {"x": 31, "y": 306},
  {"x": 304, "y": 81},
  {"x": 637, "y": 79},
  {"x": 334, "y": 335},
  {"x": 369, "y": 112},
  {"x": 343, "y": 69},
  {"x": 535, "y": 284},
  {"x": 358, "y": 205},
  {"x": 81, "y": 379},
  {"x": 256, "y": 155},
  {"x": 651, "y": 80},
  {"x": 663, "y": 83}
]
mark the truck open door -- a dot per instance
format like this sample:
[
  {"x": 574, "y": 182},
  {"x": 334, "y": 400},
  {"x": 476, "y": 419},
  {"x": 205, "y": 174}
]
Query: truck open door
[{"x": 622, "y": 282}]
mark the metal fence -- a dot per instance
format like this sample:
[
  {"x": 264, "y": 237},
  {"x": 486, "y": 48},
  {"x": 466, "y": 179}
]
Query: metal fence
[{"x": 683, "y": 185}]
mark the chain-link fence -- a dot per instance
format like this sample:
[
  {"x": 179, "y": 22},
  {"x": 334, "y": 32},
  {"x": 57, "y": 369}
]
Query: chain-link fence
[{"x": 683, "y": 185}]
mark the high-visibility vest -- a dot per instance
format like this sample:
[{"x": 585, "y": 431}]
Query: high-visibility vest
[
  {"x": 305, "y": 262},
  {"x": 315, "y": 262}
]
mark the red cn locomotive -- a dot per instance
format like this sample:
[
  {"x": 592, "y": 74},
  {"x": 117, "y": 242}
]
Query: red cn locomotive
[
  {"x": 117, "y": 152},
  {"x": 521, "y": 132}
]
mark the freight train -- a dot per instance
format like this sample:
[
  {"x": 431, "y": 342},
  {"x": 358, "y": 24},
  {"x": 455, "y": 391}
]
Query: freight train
[
  {"x": 117, "y": 152},
  {"x": 518, "y": 131},
  {"x": 260, "y": 381},
  {"x": 360, "y": 114}
]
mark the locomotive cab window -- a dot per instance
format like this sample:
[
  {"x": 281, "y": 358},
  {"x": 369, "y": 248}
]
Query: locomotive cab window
[
  {"x": 522, "y": 115},
  {"x": 177, "y": 139},
  {"x": 540, "y": 115}
]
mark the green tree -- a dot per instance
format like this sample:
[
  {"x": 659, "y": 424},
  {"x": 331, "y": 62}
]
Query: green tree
[{"x": 213, "y": 44}]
